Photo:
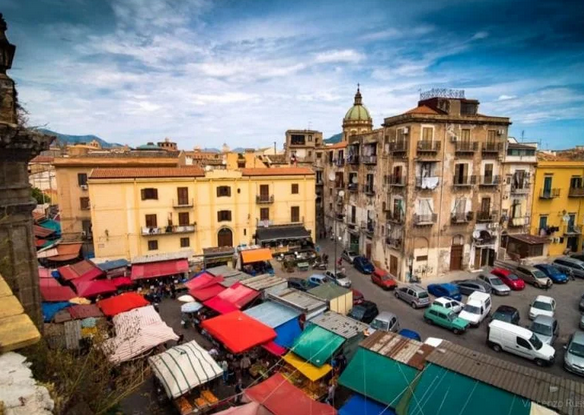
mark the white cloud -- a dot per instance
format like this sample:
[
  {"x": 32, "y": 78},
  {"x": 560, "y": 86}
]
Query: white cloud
[
  {"x": 506, "y": 97},
  {"x": 480, "y": 35},
  {"x": 336, "y": 56}
]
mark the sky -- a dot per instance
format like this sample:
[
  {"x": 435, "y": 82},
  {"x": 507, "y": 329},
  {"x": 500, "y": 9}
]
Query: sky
[{"x": 208, "y": 72}]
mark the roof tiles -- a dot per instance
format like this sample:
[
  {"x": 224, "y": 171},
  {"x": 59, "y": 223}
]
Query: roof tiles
[
  {"x": 147, "y": 172},
  {"x": 408, "y": 351},
  {"x": 277, "y": 171},
  {"x": 422, "y": 109}
]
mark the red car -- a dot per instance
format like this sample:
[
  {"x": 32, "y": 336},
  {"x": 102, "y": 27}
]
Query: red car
[
  {"x": 383, "y": 279},
  {"x": 358, "y": 297},
  {"x": 509, "y": 279}
]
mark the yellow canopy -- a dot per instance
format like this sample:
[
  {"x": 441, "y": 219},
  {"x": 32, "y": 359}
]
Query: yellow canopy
[
  {"x": 312, "y": 372},
  {"x": 256, "y": 255}
]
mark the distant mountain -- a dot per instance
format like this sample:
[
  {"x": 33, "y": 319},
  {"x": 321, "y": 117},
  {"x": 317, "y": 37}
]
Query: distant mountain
[
  {"x": 76, "y": 139},
  {"x": 334, "y": 139}
]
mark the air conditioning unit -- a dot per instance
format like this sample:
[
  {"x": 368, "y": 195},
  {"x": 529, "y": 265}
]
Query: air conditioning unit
[
  {"x": 83, "y": 187},
  {"x": 406, "y": 130},
  {"x": 500, "y": 132}
]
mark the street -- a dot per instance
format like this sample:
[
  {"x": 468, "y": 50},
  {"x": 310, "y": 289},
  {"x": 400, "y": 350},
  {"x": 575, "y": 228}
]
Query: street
[{"x": 567, "y": 297}]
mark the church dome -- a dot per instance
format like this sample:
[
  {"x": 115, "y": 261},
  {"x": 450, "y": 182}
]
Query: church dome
[{"x": 358, "y": 112}]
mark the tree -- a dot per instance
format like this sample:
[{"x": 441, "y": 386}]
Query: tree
[{"x": 39, "y": 196}]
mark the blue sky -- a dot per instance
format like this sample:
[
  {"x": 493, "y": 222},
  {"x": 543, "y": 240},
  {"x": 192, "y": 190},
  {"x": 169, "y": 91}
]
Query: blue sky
[{"x": 206, "y": 72}]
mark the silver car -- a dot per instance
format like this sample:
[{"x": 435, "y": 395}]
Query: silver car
[
  {"x": 414, "y": 295},
  {"x": 385, "y": 321},
  {"x": 339, "y": 278},
  {"x": 570, "y": 266},
  {"x": 349, "y": 256},
  {"x": 497, "y": 286},
  {"x": 545, "y": 328},
  {"x": 574, "y": 356},
  {"x": 532, "y": 275}
]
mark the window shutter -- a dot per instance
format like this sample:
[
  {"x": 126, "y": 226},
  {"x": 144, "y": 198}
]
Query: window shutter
[{"x": 143, "y": 194}]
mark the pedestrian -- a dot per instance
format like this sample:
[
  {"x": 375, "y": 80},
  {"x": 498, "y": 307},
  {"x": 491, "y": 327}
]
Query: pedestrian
[
  {"x": 225, "y": 366},
  {"x": 213, "y": 352},
  {"x": 330, "y": 397},
  {"x": 245, "y": 365},
  {"x": 172, "y": 290},
  {"x": 238, "y": 391},
  {"x": 340, "y": 261}
]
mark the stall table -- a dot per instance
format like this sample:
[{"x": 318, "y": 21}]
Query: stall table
[{"x": 303, "y": 266}]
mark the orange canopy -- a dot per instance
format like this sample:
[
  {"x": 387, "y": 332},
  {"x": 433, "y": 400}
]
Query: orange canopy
[{"x": 256, "y": 255}]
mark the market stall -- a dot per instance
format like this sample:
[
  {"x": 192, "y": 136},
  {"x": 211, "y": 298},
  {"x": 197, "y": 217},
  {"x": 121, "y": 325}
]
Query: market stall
[
  {"x": 115, "y": 268},
  {"x": 202, "y": 280},
  {"x": 214, "y": 257},
  {"x": 256, "y": 261},
  {"x": 304, "y": 375},
  {"x": 339, "y": 299},
  {"x": 352, "y": 331},
  {"x": 266, "y": 284},
  {"x": 358, "y": 404},
  {"x": 231, "y": 299},
  {"x": 90, "y": 289},
  {"x": 284, "y": 238},
  {"x": 84, "y": 270},
  {"x": 317, "y": 345},
  {"x": 174, "y": 265},
  {"x": 283, "y": 319},
  {"x": 121, "y": 303}
]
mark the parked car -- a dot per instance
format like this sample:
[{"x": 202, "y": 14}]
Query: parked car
[
  {"x": 414, "y": 295},
  {"x": 574, "y": 355},
  {"x": 317, "y": 279},
  {"x": 581, "y": 304},
  {"x": 338, "y": 278},
  {"x": 385, "y": 321},
  {"x": 542, "y": 305},
  {"x": 358, "y": 296},
  {"x": 497, "y": 286},
  {"x": 507, "y": 314},
  {"x": 519, "y": 341},
  {"x": 349, "y": 255},
  {"x": 299, "y": 284},
  {"x": 468, "y": 287},
  {"x": 571, "y": 266},
  {"x": 477, "y": 307},
  {"x": 364, "y": 312},
  {"x": 410, "y": 334},
  {"x": 383, "y": 279},
  {"x": 445, "y": 318},
  {"x": 554, "y": 273},
  {"x": 532, "y": 275},
  {"x": 449, "y": 304},
  {"x": 363, "y": 265},
  {"x": 578, "y": 255},
  {"x": 509, "y": 278},
  {"x": 546, "y": 328},
  {"x": 445, "y": 290}
]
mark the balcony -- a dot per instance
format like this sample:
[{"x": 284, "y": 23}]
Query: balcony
[
  {"x": 400, "y": 146},
  {"x": 425, "y": 220},
  {"x": 369, "y": 190},
  {"x": 182, "y": 203},
  {"x": 465, "y": 147},
  {"x": 576, "y": 192},
  {"x": 395, "y": 217},
  {"x": 517, "y": 222},
  {"x": 395, "y": 243},
  {"x": 399, "y": 181},
  {"x": 573, "y": 230},
  {"x": 148, "y": 231},
  {"x": 340, "y": 162},
  {"x": 339, "y": 216},
  {"x": 521, "y": 189},
  {"x": 432, "y": 147},
  {"x": 492, "y": 147},
  {"x": 353, "y": 159},
  {"x": 489, "y": 181},
  {"x": 464, "y": 181},
  {"x": 461, "y": 218},
  {"x": 549, "y": 193},
  {"x": 353, "y": 187},
  {"x": 264, "y": 199},
  {"x": 427, "y": 183},
  {"x": 368, "y": 227},
  {"x": 369, "y": 159},
  {"x": 487, "y": 216},
  {"x": 339, "y": 185}
]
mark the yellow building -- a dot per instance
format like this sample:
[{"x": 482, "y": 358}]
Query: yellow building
[
  {"x": 141, "y": 211},
  {"x": 557, "y": 208}
]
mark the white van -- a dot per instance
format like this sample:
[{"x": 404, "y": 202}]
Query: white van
[
  {"x": 477, "y": 307},
  {"x": 519, "y": 341}
]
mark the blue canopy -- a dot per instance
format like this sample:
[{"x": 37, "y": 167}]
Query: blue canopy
[
  {"x": 109, "y": 265},
  {"x": 287, "y": 333},
  {"x": 50, "y": 309},
  {"x": 360, "y": 405}
]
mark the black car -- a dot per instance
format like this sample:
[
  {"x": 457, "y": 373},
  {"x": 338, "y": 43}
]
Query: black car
[
  {"x": 467, "y": 287},
  {"x": 364, "y": 312},
  {"x": 299, "y": 284},
  {"x": 507, "y": 314}
]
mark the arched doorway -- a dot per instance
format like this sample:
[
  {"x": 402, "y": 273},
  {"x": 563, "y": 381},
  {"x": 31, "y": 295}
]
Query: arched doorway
[
  {"x": 456, "y": 252},
  {"x": 224, "y": 237}
]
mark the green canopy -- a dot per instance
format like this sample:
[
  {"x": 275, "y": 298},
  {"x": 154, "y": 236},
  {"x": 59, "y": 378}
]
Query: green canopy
[
  {"x": 317, "y": 345},
  {"x": 378, "y": 377}
]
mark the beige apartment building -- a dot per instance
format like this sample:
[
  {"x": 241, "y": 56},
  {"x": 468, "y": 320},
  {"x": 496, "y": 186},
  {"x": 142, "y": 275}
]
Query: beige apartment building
[{"x": 422, "y": 194}]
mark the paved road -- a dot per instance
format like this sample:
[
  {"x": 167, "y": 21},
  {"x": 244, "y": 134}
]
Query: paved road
[{"x": 567, "y": 297}]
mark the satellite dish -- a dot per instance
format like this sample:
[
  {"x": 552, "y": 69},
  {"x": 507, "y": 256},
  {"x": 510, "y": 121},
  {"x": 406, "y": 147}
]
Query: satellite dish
[
  {"x": 332, "y": 176},
  {"x": 354, "y": 180},
  {"x": 476, "y": 234},
  {"x": 341, "y": 193}
]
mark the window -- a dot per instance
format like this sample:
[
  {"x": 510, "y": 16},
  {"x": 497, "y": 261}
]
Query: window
[
  {"x": 82, "y": 179},
  {"x": 491, "y": 136},
  {"x": 294, "y": 188},
  {"x": 486, "y": 204},
  {"x": 182, "y": 194},
  {"x": 265, "y": 214},
  {"x": 427, "y": 133},
  {"x": 151, "y": 221},
  {"x": 542, "y": 222},
  {"x": 183, "y": 219},
  {"x": 488, "y": 172},
  {"x": 295, "y": 214},
  {"x": 309, "y": 153},
  {"x": 264, "y": 191},
  {"x": 523, "y": 343},
  {"x": 84, "y": 203},
  {"x": 149, "y": 194},
  {"x": 319, "y": 155},
  {"x": 309, "y": 138},
  {"x": 152, "y": 245},
  {"x": 465, "y": 136},
  {"x": 185, "y": 242},
  {"x": 297, "y": 139},
  {"x": 223, "y": 191},
  {"x": 224, "y": 216}
]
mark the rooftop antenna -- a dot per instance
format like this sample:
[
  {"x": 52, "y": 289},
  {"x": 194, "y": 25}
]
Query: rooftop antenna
[{"x": 522, "y": 135}]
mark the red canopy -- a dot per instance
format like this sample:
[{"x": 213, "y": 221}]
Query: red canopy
[
  {"x": 231, "y": 299},
  {"x": 202, "y": 281},
  {"x": 280, "y": 397},
  {"x": 49, "y": 282},
  {"x": 66, "y": 252},
  {"x": 204, "y": 294},
  {"x": 67, "y": 273},
  {"x": 94, "y": 288},
  {"x": 274, "y": 348},
  {"x": 52, "y": 293},
  {"x": 159, "y": 269},
  {"x": 84, "y": 311},
  {"x": 121, "y": 303},
  {"x": 84, "y": 270},
  {"x": 45, "y": 273},
  {"x": 122, "y": 281},
  {"x": 238, "y": 331}
]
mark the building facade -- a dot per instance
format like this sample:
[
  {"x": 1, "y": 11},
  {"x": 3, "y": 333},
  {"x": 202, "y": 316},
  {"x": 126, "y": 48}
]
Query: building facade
[{"x": 141, "y": 211}]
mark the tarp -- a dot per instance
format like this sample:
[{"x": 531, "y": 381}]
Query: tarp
[
  {"x": 122, "y": 281},
  {"x": 184, "y": 367},
  {"x": 56, "y": 293},
  {"x": 317, "y": 345},
  {"x": 94, "y": 288},
  {"x": 66, "y": 252},
  {"x": 206, "y": 293},
  {"x": 233, "y": 298},
  {"x": 256, "y": 255},
  {"x": 84, "y": 270},
  {"x": 378, "y": 377},
  {"x": 280, "y": 397},
  {"x": 41, "y": 231},
  {"x": 202, "y": 281},
  {"x": 49, "y": 282},
  {"x": 360, "y": 405},
  {"x": 191, "y": 307},
  {"x": 82, "y": 311},
  {"x": 287, "y": 333},
  {"x": 44, "y": 273},
  {"x": 121, "y": 303},
  {"x": 237, "y": 331},
  {"x": 274, "y": 348},
  {"x": 137, "y": 331},
  {"x": 50, "y": 309},
  {"x": 309, "y": 371},
  {"x": 272, "y": 314},
  {"x": 251, "y": 408},
  {"x": 110, "y": 265},
  {"x": 159, "y": 269}
]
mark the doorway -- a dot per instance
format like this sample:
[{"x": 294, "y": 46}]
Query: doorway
[
  {"x": 224, "y": 237},
  {"x": 456, "y": 253},
  {"x": 572, "y": 243},
  {"x": 393, "y": 266},
  {"x": 484, "y": 257},
  {"x": 368, "y": 250}
]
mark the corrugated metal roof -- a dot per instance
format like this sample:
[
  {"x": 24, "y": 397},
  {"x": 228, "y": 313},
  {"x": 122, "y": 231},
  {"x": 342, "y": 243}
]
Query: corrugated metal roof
[
  {"x": 329, "y": 291},
  {"x": 408, "y": 351},
  {"x": 272, "y": 314},
  {"x": 535, "y": 385},
  {"x": 339, "y": 324},
  {"x": 162, "y": 257},
  {"x": 299, "y": 299},
  {"x": 262, "y": 282},
  {"x": 223, "y": 270}
]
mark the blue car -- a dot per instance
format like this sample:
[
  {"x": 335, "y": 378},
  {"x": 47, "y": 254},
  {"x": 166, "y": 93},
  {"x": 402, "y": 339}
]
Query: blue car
[
  {"x": 410, "y": 334},
  {"x": 363, "y": 265},
  {"x": 317, "y": 279},
  {"x": 445, "y": 290},
  {"x": 554, "y": 274}
]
